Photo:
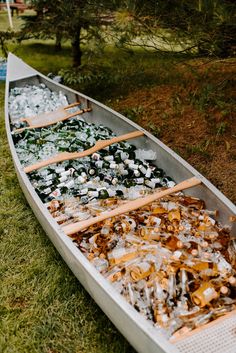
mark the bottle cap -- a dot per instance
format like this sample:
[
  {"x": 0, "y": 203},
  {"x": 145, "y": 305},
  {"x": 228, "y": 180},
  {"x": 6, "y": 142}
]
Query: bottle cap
[
  {"x": 224, "y": 290},
  {"x": 194, "y": 252}
]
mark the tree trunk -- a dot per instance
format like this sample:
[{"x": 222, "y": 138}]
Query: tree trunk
[
  {"x": 58, "y": 46},
  {"x": 76, "y": 50}
]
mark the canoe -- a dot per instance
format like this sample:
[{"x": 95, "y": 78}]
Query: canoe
[{"x": 217, "y": 336}]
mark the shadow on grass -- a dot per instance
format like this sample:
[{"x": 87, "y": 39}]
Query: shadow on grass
[
  {"x": 111, "y": 72},
  {"x": 115, "y": 73}
]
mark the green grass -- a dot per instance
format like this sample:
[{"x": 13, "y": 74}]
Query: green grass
[
  {"x": 17, "y": 21},
  {"x": 42, "y": 56},
  {"x": 43, "y": 307}
]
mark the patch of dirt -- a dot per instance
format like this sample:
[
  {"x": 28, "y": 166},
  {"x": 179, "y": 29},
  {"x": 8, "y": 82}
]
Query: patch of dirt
[
  {"x": 195, "y": 118},
  {"x": 19, "y": 303}
]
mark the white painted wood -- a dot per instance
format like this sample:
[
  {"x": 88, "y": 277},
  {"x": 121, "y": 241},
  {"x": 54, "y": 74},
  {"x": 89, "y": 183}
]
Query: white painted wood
[{"x": 9, "y": 14}]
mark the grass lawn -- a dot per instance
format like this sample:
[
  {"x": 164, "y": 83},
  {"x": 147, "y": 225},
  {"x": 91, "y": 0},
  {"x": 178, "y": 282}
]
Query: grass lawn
[
  {"x": 16, "y": 20},
  {"x": 188, "y": 104}
]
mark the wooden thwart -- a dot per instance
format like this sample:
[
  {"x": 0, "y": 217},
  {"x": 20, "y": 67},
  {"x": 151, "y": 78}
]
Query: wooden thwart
[
  {"x": 50, "y": 118},
  {"x": 65, "y": 156},
  {"x": 130, "y": 206}
]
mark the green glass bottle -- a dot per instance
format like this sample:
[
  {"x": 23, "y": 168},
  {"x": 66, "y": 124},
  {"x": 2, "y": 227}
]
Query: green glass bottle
[{"x": 103, "y": 194}]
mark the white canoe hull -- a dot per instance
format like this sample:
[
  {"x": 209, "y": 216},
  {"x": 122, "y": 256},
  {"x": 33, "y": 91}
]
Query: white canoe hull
[{"x": 141, "y": 334}]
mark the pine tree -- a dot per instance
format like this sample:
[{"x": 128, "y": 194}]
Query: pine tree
[{"x": 74, "y": 20}]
